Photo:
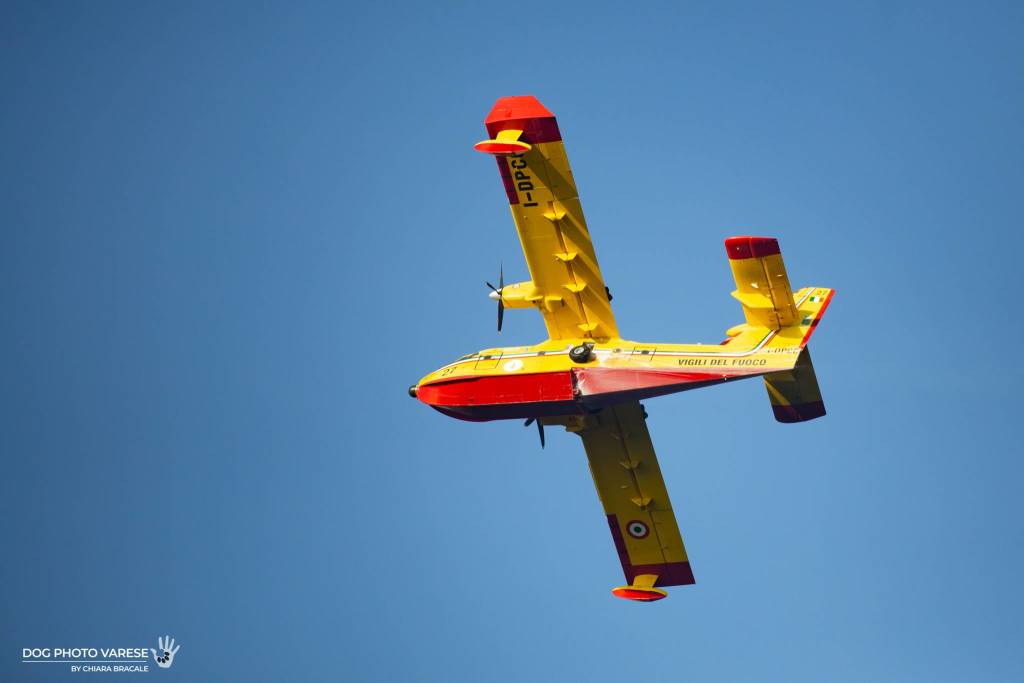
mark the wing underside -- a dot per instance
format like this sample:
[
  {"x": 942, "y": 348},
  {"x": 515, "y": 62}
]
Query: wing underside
[
  {"x": 566, "y": 284},
  {"x": 633, "y": 494}
]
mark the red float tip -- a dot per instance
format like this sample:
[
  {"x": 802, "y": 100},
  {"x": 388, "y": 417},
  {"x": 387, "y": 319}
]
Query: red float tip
[
  {"x": 639, "y": 594},
  {"x": 751, "y": 247},
  {"x": 501, "y": 148}
]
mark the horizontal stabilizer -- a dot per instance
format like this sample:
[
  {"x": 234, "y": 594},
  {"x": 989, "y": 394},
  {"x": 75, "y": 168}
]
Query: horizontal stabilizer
[
  {"x": 794, "y": 394},
  {"x": 762, "y": 285}
]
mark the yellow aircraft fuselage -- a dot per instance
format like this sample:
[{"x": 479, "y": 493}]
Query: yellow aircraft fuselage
[{"x": 543, "y": 380}]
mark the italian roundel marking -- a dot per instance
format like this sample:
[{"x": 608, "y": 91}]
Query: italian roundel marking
[
  {"x": 637, "y": 529},
  {"x": 513, "y": 365}
]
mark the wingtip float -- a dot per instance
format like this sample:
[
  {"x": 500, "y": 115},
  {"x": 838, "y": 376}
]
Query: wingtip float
[
  {"x": 505, "y": 143},
  {"x": 587, "y": 378},
  {"x": 641, "y": 590}
]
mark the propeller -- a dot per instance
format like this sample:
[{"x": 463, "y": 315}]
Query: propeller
[
  {"x": 540, "y": 428},
  {"x": 496, "y": 294}
]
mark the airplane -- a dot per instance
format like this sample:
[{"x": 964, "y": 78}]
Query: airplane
[{"x": 587, "y": 378}]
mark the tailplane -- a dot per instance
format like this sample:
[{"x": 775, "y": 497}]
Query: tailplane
[
  {"x": 762, "y": 287},
  {"x": 794, "y": 394}
]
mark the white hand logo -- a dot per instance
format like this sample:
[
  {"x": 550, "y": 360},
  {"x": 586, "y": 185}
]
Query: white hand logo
[{"x": 165, "y": 656}]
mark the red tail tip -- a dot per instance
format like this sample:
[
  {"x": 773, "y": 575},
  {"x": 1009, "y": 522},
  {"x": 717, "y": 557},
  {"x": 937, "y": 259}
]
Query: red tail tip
[{"x": 751, "y": 247}]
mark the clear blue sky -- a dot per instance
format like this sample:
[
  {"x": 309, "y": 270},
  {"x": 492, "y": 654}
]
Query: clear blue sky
[{"x": 233, "y": 234}]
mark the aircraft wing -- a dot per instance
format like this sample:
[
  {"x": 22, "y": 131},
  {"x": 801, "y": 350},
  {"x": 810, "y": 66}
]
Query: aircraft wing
[
  {"x": 634, "y": 497},
  {"x": 566, "y": 284}
]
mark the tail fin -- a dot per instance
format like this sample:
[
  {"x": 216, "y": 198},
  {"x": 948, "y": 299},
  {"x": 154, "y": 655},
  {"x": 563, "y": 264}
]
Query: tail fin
[{"x": 762, "y": 286}]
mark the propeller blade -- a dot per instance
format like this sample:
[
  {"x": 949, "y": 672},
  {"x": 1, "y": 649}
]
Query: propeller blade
[
  {"x": 540, "y": 428},
  {"x": 501, "y": 301},
  {"x": 497, "y": 290}
]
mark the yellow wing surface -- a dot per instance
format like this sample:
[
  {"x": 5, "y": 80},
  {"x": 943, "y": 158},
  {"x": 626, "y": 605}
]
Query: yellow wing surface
[
  {"x": 634, "y": 497},
  {"x": 565, "y": 284}
]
